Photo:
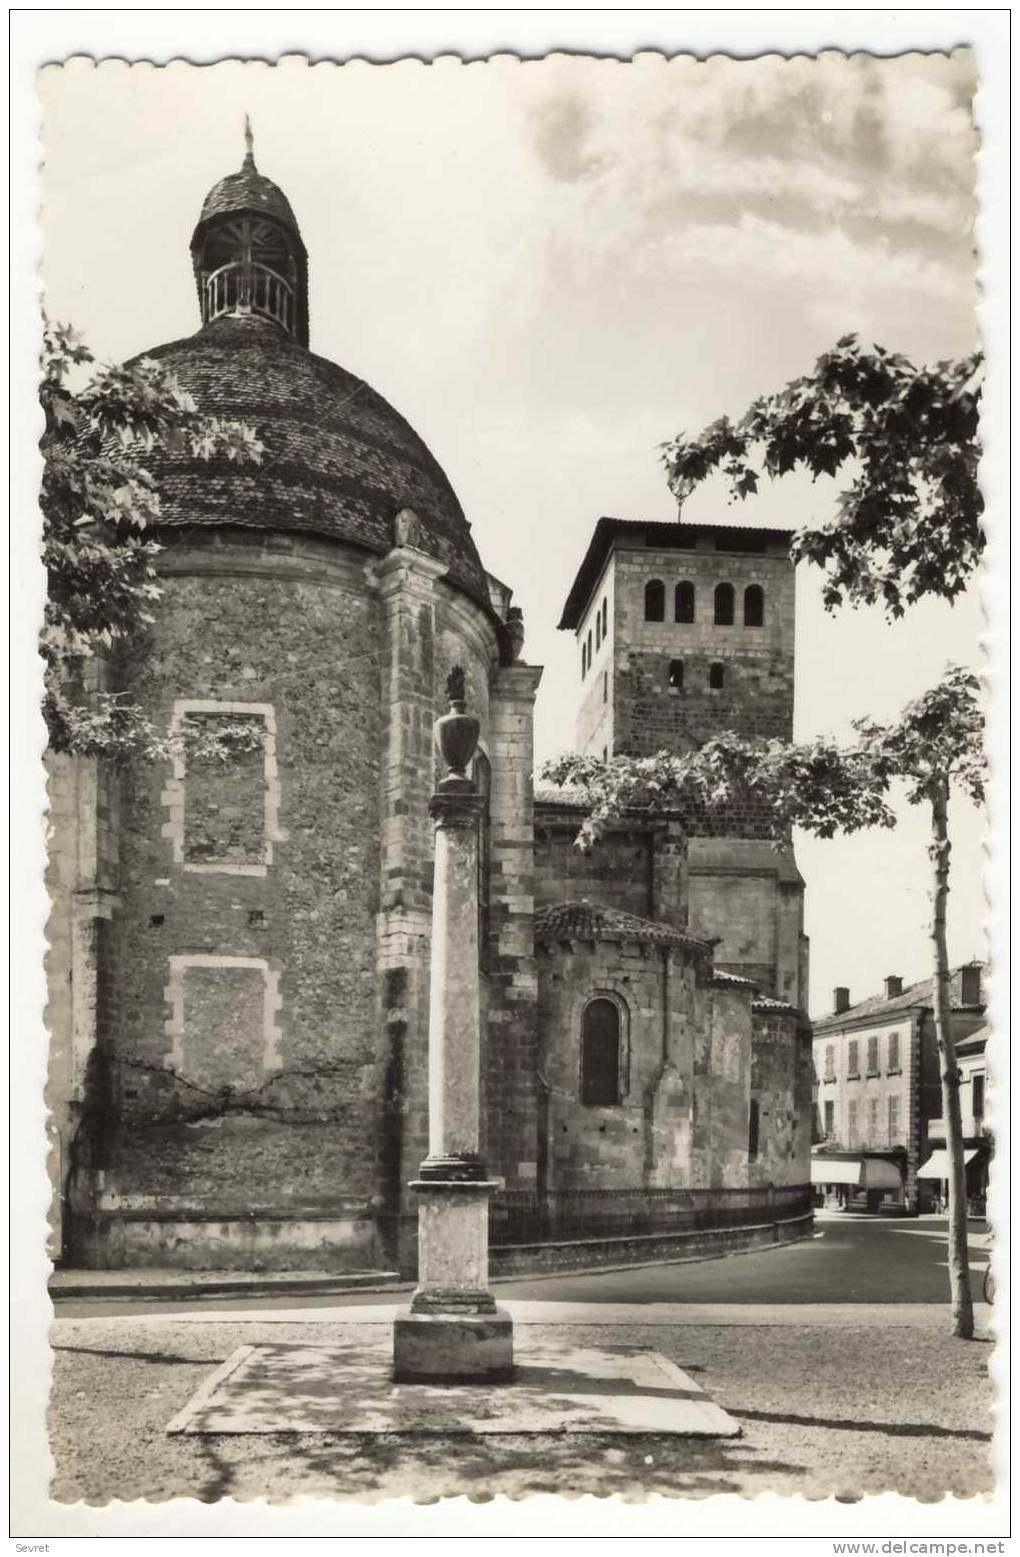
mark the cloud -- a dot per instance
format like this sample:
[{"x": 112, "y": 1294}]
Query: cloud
[{"x": 882, "y": 149}]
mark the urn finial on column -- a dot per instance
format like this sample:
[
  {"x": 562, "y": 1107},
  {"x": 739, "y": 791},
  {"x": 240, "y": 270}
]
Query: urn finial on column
[{"x": 456, "y": 736}]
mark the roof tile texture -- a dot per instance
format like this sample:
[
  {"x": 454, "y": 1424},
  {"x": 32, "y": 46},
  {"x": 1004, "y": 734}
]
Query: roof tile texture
[{"x": 340, "y": 461}]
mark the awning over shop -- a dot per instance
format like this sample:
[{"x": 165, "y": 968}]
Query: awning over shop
[
  {"x": 835, "y": 1170},
  {"x": 937, "y": 1166},
  {"x": 860, "y": 1172}
]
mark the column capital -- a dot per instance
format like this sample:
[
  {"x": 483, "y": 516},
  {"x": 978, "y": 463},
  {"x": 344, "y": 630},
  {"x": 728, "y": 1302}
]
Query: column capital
[
  {"x": 405, "y": 565},
  {"x": 458, "y": 805},
  {"x": 518, "y": 682}
]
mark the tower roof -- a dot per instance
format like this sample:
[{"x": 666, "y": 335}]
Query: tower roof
[
  {"x": 664, "y": 534},
  {"x": 247, "y": 193}
]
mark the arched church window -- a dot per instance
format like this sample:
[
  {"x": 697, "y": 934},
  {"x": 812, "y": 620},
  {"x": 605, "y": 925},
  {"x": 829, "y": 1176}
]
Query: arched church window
[
  {"x": 754, "y": 606},
  {"x": 600, "y": 1053},
  {"x": 724, "y": 605},
  {"x": 655, "y": 600},
  {"x": 683, "y": 602},
  {"x": 717, "y": 677}
]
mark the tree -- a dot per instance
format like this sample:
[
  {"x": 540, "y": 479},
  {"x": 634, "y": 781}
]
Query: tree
[
  {"x": 100, "y": 504},
  {"x": 908, "y": 521},
  {"x": 827, "y": 788}
]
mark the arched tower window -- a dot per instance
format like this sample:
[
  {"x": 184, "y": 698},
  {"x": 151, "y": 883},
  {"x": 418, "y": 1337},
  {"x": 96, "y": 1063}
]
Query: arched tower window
[
  {"x": 683, "y": 602},
  {"x": 676, "y": 674},
  {"x": 600, "y": 1053},
  {"x": 655, "y": 600},
  {"x": 717, "y": 677},
  {"x": 754, "y": 606},
  {"x": 724, "y": 605}
]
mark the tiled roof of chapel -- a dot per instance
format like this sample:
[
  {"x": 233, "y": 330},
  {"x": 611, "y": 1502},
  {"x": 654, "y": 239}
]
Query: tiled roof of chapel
[{"x": 584, "y": 921}]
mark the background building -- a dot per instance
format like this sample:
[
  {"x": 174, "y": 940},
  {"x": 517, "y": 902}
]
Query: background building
[
  {"x": 240, "y": 951},
  {"x": 879, "y": 1099}
]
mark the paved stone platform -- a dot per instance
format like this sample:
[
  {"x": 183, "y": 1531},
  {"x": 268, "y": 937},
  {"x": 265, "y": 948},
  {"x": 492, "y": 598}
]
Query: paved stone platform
[{"x": 558, "y": 1387}]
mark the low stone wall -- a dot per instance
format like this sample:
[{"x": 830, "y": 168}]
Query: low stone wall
[
  {"x": 133, "y": 1240},
  {"x": 652, "y": 1248}
]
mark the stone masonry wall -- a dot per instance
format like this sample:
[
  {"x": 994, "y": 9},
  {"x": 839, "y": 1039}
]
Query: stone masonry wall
[
  {"x": 243, "y": 1056},
  {"x": 780, "y": 1067},
  {"x": 644, "y": 1140},
  {"x": 649, "y": 715}
]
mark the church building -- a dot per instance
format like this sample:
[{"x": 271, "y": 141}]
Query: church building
[{"x": 239, "y": 949}]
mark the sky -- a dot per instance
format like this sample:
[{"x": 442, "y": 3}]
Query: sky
[{"x": 551, "y": 267}]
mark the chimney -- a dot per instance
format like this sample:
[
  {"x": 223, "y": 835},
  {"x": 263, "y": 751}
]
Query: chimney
[
  {"x": 840, "y": 999},
  {"x": 893, "y": 986},
  {"x": 970, "y": 985}
]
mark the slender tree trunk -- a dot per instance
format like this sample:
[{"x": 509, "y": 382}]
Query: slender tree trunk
[{"x": 961, "y": 1304}]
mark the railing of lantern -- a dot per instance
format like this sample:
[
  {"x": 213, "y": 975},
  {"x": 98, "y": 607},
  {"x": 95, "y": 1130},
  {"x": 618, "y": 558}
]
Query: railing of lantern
[{"x": 249, "y": 288}]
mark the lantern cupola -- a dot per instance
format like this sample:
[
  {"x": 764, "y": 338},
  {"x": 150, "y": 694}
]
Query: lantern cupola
[{"x": 247, "y": 252}]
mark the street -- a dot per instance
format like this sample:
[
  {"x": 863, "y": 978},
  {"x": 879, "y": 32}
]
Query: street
[
  {"x": 843, "y": 1377},
  {"x": 849, "y": 1259}
]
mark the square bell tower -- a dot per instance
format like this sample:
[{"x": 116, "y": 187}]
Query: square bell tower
[{"x": 683, "y": 632}]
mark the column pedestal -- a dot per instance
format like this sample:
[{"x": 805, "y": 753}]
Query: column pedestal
[{"x": 454, "y": 1333}]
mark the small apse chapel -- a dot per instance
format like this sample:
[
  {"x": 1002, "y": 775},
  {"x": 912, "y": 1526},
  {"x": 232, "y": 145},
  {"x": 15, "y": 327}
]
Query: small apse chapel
[{"x": 239, "y": 949}]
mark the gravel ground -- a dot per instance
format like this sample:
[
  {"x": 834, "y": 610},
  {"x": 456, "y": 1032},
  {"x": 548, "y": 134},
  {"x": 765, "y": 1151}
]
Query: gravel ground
[{"x": 824, "y": 1412}]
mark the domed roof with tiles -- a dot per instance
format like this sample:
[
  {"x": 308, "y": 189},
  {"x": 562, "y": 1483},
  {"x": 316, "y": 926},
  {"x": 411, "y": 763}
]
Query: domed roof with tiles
[{"x": 340, "y": 462}]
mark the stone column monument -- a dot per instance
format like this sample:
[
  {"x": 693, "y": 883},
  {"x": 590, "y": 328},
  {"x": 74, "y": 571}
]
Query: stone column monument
[{"x": 454, "y": 1332}]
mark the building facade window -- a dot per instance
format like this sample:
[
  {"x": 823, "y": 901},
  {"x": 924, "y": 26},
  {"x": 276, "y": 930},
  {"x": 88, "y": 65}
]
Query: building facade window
[
  {"x": 683, "y": 602},
  {"x": 605, "y": 686},
  {"x": 894, "y": 1120},
  {"x": 830, "y": 1062},
  {"x": 829, "y": 1114},
  {"x": 851, "y": 1123},
  {"x": 853, "y": 1067},
  {"x": 752, "y": 1130},
  {"x": 724, "y": 605},
  {"x": 676, "y": 674},
  {"x": 655, "y": 600},
  {"x": 605, "y": 618},
  {"x": 600, "y": 1053},
  {"x": 977, "y": 1097},
  {"x": 873, "y": 1056},
  {"x": 717, "y": 677},
  {"x": 588, "y": 642},
  {"x": 754, "y": 606},
  {"x": 894, "y": 1051},
  {"x": 598, "y": 630},
  {"x": 584, "y": 660},
  {"x": 873, "y": 1120}
]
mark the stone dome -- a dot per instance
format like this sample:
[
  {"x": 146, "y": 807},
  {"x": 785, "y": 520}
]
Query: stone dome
[{"x": 340, "y": 461}]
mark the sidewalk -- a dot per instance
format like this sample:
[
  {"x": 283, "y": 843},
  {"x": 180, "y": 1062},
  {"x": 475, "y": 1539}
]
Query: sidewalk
[
  {"x": 197, "y": 1284},
  {"x": 840, "y": 1400}
]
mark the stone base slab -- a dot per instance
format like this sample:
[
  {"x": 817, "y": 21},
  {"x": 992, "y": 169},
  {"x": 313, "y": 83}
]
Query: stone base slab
[
  {"x": 453, "y": 1348},
  {"x": 557, "y": 1387}
]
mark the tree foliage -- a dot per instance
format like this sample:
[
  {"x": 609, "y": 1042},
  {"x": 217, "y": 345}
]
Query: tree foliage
[
  {"x": 823, "y": 786},
  {"x": 100, "y": 504},
  {"x": 908, "y": 520}
]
